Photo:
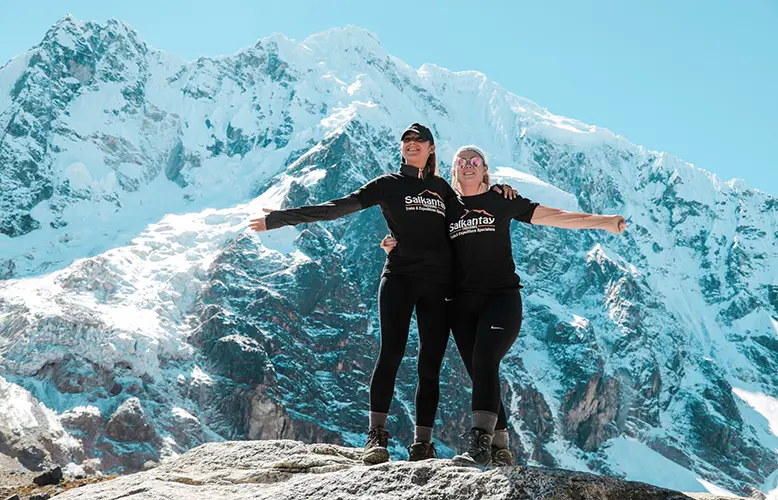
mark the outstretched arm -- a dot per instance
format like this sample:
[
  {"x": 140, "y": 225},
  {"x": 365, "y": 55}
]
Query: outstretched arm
[
  {"x": 547, "y": 216},
  {"x": 368, "y": 195},
  {"x": 329, "y": 210}
]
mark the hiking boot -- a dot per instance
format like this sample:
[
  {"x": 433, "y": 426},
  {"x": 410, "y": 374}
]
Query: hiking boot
[
  {"x": 421, "y": 451},
  {"x": 479, "y": 448},
  {"x": 375, "y": 449},
  {"x": 501, "y": 457}
]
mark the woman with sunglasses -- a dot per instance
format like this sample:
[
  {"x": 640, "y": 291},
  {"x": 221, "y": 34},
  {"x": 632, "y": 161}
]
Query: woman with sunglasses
[
  {"x": 413, "y": 201},
  {"x": 486, "y": 312}
]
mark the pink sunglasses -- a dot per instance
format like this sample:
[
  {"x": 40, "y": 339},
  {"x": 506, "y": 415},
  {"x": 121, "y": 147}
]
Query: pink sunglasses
[{"x": 475, "y": 161}]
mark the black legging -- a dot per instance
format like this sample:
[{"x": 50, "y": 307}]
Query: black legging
[
  {"x": 485, "y": 326},
  {"x": 397, "y": 296}
]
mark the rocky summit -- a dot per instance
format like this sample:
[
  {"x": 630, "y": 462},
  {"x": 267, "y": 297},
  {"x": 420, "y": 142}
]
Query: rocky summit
[
  {"x": 140, "y": 318},
  {"x": 291, "y": 470}
]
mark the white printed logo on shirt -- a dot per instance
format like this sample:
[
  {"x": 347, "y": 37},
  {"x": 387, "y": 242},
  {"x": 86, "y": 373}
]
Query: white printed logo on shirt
[
  {"x": 473, "y": 221},
  {"x": 426, "y": 201}
]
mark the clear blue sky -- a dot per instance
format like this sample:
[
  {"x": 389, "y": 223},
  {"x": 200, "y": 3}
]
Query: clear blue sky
[{"x": 696, "y": 78}]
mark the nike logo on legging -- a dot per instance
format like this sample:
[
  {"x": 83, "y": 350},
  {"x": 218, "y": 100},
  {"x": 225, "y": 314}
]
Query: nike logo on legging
[
  {"x": 448, "y": 300},
  {"x": 497, "y": 328}
]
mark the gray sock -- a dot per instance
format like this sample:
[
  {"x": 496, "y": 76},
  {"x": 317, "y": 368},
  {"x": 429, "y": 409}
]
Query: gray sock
[
  {"x": 500, "y": 439},
  {"x": 485, "y": 420},
  {"x": 422, "y": 435},
  {"x": 378, "y": 420}
]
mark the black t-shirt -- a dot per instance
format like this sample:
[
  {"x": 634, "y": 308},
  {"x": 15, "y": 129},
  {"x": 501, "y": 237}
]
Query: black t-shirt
[
  {"x": 414, "y": 209},
  {"x": 479, "y": 227}
]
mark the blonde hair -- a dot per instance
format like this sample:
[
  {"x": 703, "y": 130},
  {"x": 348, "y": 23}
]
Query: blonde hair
[{"x": 455, "y": 171}]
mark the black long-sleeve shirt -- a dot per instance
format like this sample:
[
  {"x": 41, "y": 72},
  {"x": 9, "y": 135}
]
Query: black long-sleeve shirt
[
  {"x": 415, "y": 211},
  {"x": 479, "y": 227}
]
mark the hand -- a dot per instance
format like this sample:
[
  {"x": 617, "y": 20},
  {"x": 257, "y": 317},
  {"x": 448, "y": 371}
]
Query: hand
[
  {"x": 508, "y": 192},
  {"x": 616, "y": 224},
  {"x": 388, "y": 243},
  {"x": 259, "y": 225}
]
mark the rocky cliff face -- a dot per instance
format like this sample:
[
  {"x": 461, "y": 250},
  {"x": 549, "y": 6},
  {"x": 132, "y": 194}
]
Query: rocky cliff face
[
  {"x": 138, "y": 310},
  {"x": 289, "y": 469}
]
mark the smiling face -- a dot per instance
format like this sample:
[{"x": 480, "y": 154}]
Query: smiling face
[
  {"x": 415, "y": 151},
  {"x": 469, "y": 171}
]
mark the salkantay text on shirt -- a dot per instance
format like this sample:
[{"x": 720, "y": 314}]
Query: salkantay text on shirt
[
  {"x": 472, "y": 225},
  {"x": 430, "y": 203}
]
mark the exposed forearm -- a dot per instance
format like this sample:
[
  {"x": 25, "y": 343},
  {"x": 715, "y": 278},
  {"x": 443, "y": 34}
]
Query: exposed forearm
[
  {"x": 547, "y": 216},
  {"x": 330, "y": 210}
]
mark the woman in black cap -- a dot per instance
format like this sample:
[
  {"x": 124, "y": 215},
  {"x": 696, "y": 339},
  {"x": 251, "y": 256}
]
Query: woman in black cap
[
  {"x": 413, "y": 202},
  {"x": 486, "y": 312}
]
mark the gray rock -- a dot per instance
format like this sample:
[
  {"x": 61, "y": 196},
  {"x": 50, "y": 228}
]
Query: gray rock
[
  {"x": 91, "y": 467},
  {"x": 40, "y": 442},
  {"x": 85, "y": 422},
  {"x": 129, "y": 424},
  {"x": 290, "y": 469},
  {"x": 53, "y": 476},
  {"x": 11, "y": 465}
]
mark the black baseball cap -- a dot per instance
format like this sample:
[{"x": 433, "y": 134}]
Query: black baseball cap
[{"x": 423, "y": 132}]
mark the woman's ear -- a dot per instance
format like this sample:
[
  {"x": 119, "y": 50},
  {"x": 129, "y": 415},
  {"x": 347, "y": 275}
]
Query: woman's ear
[{"x": 432, "y": 148}]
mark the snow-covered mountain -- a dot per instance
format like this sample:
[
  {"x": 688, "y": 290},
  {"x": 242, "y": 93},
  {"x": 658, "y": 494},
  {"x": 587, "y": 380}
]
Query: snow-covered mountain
[{"x": 139, "y": 317}]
